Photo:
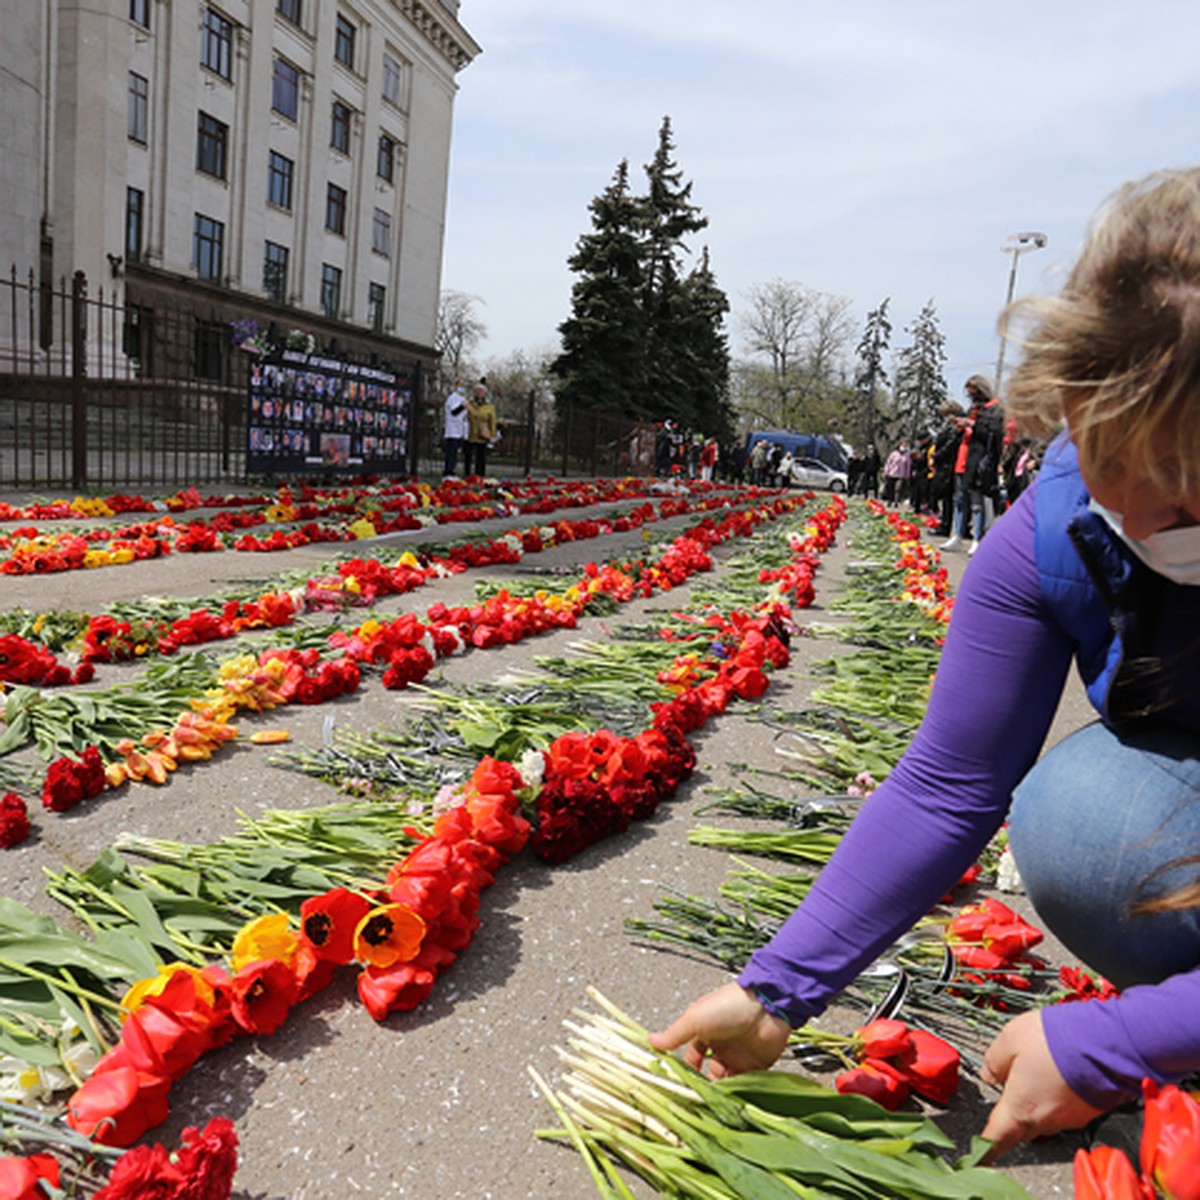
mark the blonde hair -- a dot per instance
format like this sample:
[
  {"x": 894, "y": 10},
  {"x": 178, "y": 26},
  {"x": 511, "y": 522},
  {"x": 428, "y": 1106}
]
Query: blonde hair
[{"x": 1120, "y": 347}]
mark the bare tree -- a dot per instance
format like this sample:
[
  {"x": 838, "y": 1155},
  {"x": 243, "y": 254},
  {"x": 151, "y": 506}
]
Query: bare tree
[
  {"x": 516, "y": 377},
  {"x": 459, "y": 332},
  {"x": 774, "y": 330},
  {"x": 829, "y": 332},
  {"x": 798, "y": 339}
]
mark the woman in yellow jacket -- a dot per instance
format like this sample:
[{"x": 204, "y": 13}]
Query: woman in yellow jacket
[{"x": 481, "y": 430}]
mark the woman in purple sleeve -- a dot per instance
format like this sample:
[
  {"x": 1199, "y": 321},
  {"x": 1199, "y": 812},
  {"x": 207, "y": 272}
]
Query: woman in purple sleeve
[{"x": 1099, "y": 561}]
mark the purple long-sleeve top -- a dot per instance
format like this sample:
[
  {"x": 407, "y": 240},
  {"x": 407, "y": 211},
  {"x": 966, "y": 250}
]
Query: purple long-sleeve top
[{"x": 999, "y": 682}]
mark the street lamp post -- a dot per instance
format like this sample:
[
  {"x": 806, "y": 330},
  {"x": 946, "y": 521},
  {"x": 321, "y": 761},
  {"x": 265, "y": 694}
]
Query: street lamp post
[{"x": 1018, "y": 244}]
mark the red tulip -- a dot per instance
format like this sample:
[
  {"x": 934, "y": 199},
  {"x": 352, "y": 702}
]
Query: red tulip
[
  {"x": 20, "y": 1178},
  {"x": 115, "y": 1107},
  {"x": 1104, "y": 1173},
  {"x": 262, "y": 995},
  {"x": 1170, "y": 1148},
  {"x": 882, "y": 1038},
  {"x": 877, "y": 1082},
  {"x": 328, "y": 921},
  {"x": 930, "y": 1066}
]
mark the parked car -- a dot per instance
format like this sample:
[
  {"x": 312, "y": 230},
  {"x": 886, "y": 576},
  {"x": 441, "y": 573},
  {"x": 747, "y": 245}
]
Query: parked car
[{"x": 813, "y": 473}]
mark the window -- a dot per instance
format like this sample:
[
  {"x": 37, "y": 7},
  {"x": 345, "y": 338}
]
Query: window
[
  {"x": 135, "y": 219},
  {"x": 285, "y": 89},
  {"x": 335, "y": 209},
  {"x": 275, "y": 269},
  {"x": 391, "y": 80},
  {"x": 376, "y": 302},
  {"x": 290, "y": 9},
  {"x": 331, "y": 290},
  {"x": 279, "y": 180},
  {"x": 139, "y": 107},
  {"x": 339, "y": 132},
  {"x": 381, "y": 232},
  {"x": 209, "y": 349},
  {"x": 137, "y": 333},
  {"x": 212, "y": 139},
  {"x": 139, "y": 12},
  {"x": 216, "y": 43},
  {"x": 385, "y": 164},
  {"x": 343, "y": 42},
  {"x": 208, "y": 245}
]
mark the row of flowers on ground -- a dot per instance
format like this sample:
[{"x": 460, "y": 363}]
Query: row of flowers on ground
[
  {"x": 404, "y": 649},
  {"x": 38, "y": 552},
  {"x": 350, "y": 497},
  {"x": 403, "y": 935},
  {"x": 27, "y": 651}
]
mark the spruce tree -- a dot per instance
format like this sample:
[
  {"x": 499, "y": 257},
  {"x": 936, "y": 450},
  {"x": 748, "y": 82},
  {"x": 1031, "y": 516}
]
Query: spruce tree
[
  {"x": 700, "y": 353},
  {"x": 646, "y": 337},
  {"x": 668, "y": 216},
  {"x": 603, "y": 364},
  {"x": 920, "y": 386},
  {"x": 870, "y": 376}
]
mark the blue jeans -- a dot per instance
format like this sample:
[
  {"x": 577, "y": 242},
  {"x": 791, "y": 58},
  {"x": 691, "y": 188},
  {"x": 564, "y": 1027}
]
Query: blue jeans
[
  {"x": 969, "y": 505},
  {"x": 1092, "y": 828},
  {"x": 451, "y": 445}
]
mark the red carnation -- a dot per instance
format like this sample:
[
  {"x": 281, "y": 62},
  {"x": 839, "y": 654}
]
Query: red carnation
[
  {"x": 14, "y": 820},
  {"x": 68, "y": 781}
]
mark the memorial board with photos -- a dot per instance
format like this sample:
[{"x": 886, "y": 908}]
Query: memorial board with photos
[{"x": 310, "y": 413}]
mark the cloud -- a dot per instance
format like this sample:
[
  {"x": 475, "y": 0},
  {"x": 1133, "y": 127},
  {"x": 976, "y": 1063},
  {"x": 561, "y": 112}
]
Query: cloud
[{"x": 866, "y": 149}]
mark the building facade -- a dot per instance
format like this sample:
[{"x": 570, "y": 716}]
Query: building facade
[{"x": 284, "y": 161}]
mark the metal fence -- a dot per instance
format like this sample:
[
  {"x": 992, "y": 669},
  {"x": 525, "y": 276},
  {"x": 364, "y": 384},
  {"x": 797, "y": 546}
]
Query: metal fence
[
  {"x": 108, "y": 392},
  {"x": 100, "y": 393},
  {"x": 571, "y": 442}
]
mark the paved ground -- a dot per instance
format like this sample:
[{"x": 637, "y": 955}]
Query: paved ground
[{"x": 436, "y": 1104}]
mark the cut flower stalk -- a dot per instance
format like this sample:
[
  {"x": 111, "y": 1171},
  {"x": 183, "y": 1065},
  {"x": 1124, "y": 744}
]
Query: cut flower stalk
[{"x": 765, "y": 1134}]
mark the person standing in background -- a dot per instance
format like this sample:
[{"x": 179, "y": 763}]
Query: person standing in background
[
  {"x": 454, "y": 428},
  {"x": 481, "y": 430}
]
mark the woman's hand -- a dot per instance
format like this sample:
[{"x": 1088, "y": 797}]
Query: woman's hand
[
  {"x": 730, "y": 1030},
  {"x": 1036, "y": 1100}
]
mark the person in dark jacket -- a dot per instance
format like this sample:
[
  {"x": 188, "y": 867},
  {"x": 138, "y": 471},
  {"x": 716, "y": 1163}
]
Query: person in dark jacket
[
  {"x": 978, "y": 465},
  {"x": 945, "y": 452}
]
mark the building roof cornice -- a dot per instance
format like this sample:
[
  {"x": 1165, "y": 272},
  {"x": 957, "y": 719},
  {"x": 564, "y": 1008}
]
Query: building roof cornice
[{"x": 443, "y": 32}]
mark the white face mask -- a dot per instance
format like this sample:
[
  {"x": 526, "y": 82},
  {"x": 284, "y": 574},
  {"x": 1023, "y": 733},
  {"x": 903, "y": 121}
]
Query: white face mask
[{"x": 1172, "y": 553}]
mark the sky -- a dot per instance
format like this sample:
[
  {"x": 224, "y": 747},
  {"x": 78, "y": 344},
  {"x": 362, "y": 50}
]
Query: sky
[{"x": 867, "y": 149}]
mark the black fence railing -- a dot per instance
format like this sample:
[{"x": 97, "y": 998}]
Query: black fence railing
[
  {"x": 99, "y": 393},
  {"x": 146, "y": 389},
  {"x": 569, "y": 443}
]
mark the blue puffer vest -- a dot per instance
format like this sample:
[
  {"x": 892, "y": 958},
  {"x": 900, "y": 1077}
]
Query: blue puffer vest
[{"x": 1096, "y": 588}]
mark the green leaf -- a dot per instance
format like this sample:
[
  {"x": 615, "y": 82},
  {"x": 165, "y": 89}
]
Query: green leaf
[{"x": 16, "y": 733}]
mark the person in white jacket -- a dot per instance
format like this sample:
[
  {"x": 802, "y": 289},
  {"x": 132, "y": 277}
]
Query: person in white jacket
[{"x": 454, "y": 432}]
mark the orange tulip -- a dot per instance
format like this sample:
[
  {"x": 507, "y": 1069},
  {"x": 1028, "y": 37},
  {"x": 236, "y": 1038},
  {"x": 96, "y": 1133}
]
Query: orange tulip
[{"x": 388, "y": 934}]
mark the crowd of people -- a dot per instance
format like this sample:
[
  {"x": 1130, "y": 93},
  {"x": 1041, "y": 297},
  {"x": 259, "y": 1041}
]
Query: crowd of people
[
  {"x": 694, "y": 455},
  {"x": 966, "y": 472}
]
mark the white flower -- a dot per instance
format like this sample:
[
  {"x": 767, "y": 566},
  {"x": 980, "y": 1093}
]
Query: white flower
[
  {"x": 22, "y": 1082},
  {"x": 1008, "y": 878},
  {"x": 80, "y": 1059},
  {"x": 532, "y": 768}
]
